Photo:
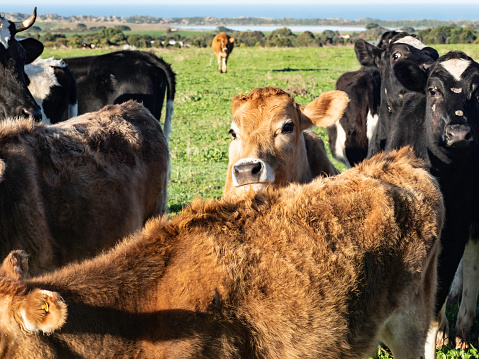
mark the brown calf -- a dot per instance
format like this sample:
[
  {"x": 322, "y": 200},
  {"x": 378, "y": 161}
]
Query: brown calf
[
  {"x": 69, "y": 190},
  {"x": 322, "y": 270},
  {"x": 270, "y": 145},
  {"x": 223, "y": 46}
]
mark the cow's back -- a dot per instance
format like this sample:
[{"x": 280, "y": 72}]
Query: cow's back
[
  {"x": 81, "y": 185},
  {"x": 120, "y": 76}
]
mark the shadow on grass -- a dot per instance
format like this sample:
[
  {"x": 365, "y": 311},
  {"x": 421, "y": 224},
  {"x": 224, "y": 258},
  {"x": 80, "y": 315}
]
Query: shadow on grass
[{"x": 289, "y": 69}]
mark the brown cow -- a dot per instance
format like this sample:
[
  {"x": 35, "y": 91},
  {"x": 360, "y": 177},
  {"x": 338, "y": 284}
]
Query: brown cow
[
  {"x": 69, "y": 190},
  {"x": 223, "y": 46},
  {"x": 270, "y": 144},
  {"x": 322, "y": 270}
]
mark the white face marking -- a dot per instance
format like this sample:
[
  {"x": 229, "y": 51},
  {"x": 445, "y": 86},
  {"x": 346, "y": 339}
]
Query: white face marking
[
  {"x": 371, "y": 123},
  {"x": 412, "y": 41},
  {"x": 434, "y": 107},
  {"x": 456, "y": 67},
  {"x": 456, "y": 90},
  {"x": 5, "y": 34},
  {"x": 459, "y": 113}
]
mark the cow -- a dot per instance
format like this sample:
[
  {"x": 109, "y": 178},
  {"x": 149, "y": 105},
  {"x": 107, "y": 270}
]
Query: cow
[
  {"x": 398, "y": 48},
  {"x": 53, "y": 87},
  {"x": 223, "y": 46},
  {"x": 69, "y": 190},
  {"x": 441, "y": 123},
  {"x": 119, "y": 76},
  {"x": 319, "y": 270},
  {"x": 349, "y": 137},
  {"x": 15, "y": 98},
  {"x": 270, "y": 144}
]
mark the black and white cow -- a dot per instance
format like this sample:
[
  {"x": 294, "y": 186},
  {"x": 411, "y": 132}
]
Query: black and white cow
[
  {"x": 349, "y": 137},
  {"x": 400, "y": 47},
  {"x": 124, "y": 75},
  {"x": 15, "y": 98},
  {"x": 442, "y": 126},
  {"x": 54, "y": 89}
]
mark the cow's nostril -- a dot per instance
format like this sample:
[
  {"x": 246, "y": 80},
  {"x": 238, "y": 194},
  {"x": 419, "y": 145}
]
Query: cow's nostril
[{"x": 256, "y": 169}]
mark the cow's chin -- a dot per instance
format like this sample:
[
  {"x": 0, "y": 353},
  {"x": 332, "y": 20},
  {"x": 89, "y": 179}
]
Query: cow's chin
[{"x": 251, "y": 188}]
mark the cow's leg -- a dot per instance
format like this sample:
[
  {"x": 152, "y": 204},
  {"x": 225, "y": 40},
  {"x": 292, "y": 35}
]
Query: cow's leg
[
  {"x": 439, "y": 331},
  {"x": 219, "y": 62},
  {"x": 224, "y": 65},
  {"x": 467, "y": 310},
  {"x": 407, "y": 333},
  {"x": 456, "y": 287}
]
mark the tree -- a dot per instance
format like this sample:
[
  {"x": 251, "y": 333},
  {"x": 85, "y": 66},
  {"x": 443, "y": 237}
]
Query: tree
[{"x": 371, "y": 25}]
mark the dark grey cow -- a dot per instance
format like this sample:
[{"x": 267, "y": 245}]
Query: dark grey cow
[
  {"x": 15, "y": 98},
  {"x": 442, "y": 126}
]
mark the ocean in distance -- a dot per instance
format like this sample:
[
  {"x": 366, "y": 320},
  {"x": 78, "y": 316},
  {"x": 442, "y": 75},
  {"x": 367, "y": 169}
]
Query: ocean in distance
[{"x": 451, "y": 11}]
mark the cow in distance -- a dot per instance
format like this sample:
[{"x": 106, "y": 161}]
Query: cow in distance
[{"x": 222, "y": 47}]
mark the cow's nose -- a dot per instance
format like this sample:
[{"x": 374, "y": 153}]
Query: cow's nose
[
  {"x": 247, "y": 173},
  {"x": 458, "y": 135},
  {"x": 34, "y": 112}
]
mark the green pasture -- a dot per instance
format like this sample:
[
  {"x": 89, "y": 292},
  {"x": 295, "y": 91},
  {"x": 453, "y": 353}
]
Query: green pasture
[{"x": 199, "y": 141}]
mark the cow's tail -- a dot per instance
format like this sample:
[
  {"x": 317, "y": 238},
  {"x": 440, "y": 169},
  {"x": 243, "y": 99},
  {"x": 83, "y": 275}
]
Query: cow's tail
[{"x": 170, "y": 97}]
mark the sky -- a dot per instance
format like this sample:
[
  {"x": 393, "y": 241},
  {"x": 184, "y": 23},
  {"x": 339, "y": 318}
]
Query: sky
[{"x": 380, "y": 9}]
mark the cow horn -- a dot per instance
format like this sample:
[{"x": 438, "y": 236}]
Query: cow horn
[{"x": 25, "y": 24}]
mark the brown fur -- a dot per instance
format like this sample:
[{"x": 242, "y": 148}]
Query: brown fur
[
  {"x": 293, "y": 156},
  {"x": 223, "y": 46},
  {"x": 69, "y": 190},
  {"x": 323, "y": 270}
]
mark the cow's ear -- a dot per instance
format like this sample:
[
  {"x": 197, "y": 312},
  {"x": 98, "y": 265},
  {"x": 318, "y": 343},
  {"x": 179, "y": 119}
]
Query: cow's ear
[
  {"x": 34, "y": 48},
  {"x": 411, "y": 76},
  {"x": 325, "y": 110},
  {"x": 431, "y": 52},
  {"x": 237, "y": 101},
  {"x": 232, "y": 39},
  {"x": 15, "y": 265},
  {"x": 367, "y": 54},
  {"x": 41, "y": 311}
]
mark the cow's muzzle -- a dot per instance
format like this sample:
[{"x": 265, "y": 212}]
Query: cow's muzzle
[
  {"x": 251, "y": 171},
  {"x": 34, "y": 112},
  {"x": 458, "y": 136}
]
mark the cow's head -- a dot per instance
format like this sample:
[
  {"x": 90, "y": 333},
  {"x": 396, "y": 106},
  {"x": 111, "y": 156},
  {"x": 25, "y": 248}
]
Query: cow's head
[
  {"x": 268, "y": 145},
  {"x": 25, "y": 311},
  {"x": 15, "y": 99},
  {"x": 452, "y": 95},
  {"x": 226, "y": 43},
  {"x": 395, "y": 48}
]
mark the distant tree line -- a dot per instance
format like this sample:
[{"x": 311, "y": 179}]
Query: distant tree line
[
  {"x": 448, "y": 35},
  {"x": 283, "y": 37}
]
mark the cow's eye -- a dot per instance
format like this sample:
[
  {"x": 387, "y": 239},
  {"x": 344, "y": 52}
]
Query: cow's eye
[
  {"x": 397, "y": 55},
  {"x": 432, "y": 91},
  {"x": 288, "y": 127},
  {"x": 232, "y": 133}
]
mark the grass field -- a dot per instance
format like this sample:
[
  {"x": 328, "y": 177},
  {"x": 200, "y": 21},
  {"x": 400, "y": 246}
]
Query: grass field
[{"x": 199, "y": 141}]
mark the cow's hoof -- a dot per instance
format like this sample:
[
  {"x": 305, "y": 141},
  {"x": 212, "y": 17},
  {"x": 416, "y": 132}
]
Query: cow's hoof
[
  {"x": 461, "y": 344},
  {"x": 442, "y": 339}
]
